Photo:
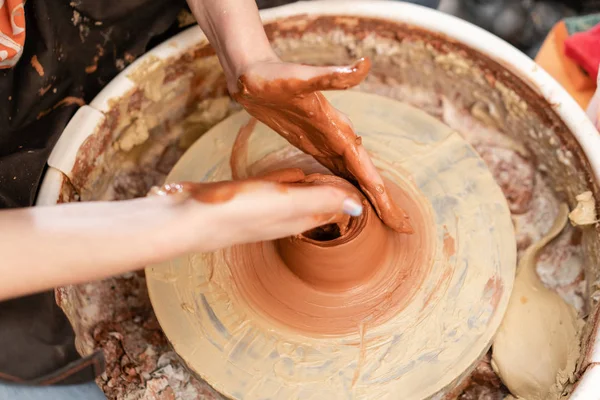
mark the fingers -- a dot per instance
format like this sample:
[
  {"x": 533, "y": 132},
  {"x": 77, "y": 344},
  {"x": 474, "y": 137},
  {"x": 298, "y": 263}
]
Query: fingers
[
  {"x": 296, "y": 79},
  {"x": 340, "y": 78},
  {"x": 322, "y": 200},
  {"x": 375, "y": 189},
  {"x": 275, "y": 202},
  {"x": 329, "y": 78},
  {"x": 268, "y": 211},
  {"x": 307, "y": 208}
]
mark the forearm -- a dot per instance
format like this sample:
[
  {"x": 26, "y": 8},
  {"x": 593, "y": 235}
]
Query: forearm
[
  {"x": 45, "y": 247},
  {"x": 234, "y": 29}
]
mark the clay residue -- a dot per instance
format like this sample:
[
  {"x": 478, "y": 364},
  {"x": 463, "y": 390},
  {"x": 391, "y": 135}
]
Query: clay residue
[
  {"x": 94, "y": 66},
  {"x": 140, "y": 362},
  {"x": 67, "y": 101},
  {"x": 221, "y": 192},
  {"x": 134, "y": 135},
  {"x": 150, "y": 76},
  {"x": 37, "y": 66},
  {"x": 44, "y": 90},
  {"x": 514, "y": 173},
  {"x": 585, "y": 212},
  {"x": 537, "y": 344},
  {"x": 449, "y": 244}
]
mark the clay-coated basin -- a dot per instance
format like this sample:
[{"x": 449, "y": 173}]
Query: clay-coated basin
[{"x": 481, "y": 86}]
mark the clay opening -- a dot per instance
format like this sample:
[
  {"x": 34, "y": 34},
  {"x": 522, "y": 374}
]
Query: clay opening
[{"x": 325, "y": 233}]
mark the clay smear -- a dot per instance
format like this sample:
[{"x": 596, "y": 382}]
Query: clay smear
[
  {"x": 585, "y": 212},
  {"x": 37, "y": 66}
]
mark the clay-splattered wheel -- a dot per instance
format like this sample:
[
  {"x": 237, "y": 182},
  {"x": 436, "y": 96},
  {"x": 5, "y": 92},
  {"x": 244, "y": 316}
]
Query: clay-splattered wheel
[{"x": 450, "y": 306}]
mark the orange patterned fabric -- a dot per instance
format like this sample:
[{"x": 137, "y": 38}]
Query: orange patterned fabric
[{"x": 12, "y": 31}]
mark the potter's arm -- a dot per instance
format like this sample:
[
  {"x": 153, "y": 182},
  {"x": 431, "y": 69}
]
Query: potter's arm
[
  {"x": 234, "y": 29},
  {"x": 45, "y": 247}
]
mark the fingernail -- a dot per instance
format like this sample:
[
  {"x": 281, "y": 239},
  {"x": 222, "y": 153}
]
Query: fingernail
[{"x": 352, "y": 207}]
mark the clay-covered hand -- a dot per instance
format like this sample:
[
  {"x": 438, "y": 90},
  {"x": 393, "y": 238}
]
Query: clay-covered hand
[
  {"x": 222, "y": 214},
  {"x": 287, "y": 98}
]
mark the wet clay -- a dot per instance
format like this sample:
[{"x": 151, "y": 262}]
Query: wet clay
[
  {"x": 221, "y": 192},
  {"x": 334, "y": 278},
  {"x": 296, "y": 110},
  {"x": 537, "y": 344},
  {"x": 364, "y": 273},
  {"x": 353, "y": 309}
]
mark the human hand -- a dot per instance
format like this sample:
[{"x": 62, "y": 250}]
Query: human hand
[
  {"x": 287, "y": 98},
  {"x": 222, "y": 214}
]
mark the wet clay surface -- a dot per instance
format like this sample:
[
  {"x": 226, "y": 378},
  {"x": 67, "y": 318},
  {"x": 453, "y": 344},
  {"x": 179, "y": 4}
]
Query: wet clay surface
[
  {"x": 342, "y": 297},
  {"x": 360, "y": 270},
  {"x": 333, "y": 278},
  {"x": 368, "y": 272}
]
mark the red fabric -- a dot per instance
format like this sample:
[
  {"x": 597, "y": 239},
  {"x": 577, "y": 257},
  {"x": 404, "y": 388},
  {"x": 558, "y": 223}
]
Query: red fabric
[{"x": 584, "y": 49}]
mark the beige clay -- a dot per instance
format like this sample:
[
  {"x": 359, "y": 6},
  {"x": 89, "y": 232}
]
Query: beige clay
[
  {"x": 585, "y": 212},
  {"x": 537, "y": 344}
]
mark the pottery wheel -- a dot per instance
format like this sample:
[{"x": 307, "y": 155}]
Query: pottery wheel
[{"x": 439, "y": 300}]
